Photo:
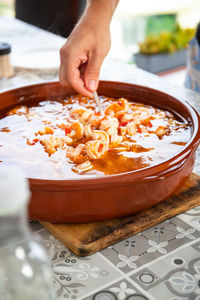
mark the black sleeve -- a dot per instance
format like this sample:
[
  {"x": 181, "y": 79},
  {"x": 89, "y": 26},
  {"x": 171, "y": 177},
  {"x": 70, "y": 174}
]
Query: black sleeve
[{"x": 57, "y": 16}]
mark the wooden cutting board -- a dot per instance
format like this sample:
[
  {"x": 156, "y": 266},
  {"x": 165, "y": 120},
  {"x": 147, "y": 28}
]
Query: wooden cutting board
[{"x": 87, "y": 238}]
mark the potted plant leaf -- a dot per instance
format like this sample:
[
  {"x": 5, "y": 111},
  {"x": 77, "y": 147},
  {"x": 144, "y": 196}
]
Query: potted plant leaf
[{"x": 164, "y": 51}]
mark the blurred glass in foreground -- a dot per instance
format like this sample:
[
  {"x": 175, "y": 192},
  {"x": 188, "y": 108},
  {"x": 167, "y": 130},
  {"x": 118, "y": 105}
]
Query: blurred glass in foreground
[{"x": 25, "y": 271}]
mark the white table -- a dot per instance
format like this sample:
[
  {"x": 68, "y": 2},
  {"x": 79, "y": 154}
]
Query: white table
[{"x": 160, "y": 263}]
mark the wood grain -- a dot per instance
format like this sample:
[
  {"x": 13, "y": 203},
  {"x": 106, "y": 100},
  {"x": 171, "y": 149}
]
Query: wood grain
[{"x": 87, "y": 238}]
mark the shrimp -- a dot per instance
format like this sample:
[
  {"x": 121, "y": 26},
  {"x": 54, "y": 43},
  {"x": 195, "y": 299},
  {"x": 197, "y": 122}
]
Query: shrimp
[
  {"x": 110, "y": 125},
  {"x": 69, "y": 152},
  {"x": 124, "y": 104},
  {"x": 101, "y": 136},
  {"x": 112, "y": 109},
  {"x": 122, "y": 130},
  {"x": 120, "y": 114},
  {"x": 85, "y": 166},
  {"x": 147, "y": 122},
  {"x": 79, "y": 149},
  {"x": 142, "y": 129},
  {"x": 108, "y": 122},
  {"x": 75, "y": 130},
  {"x": 116, "y": 140},
  {"x": 78, "y": 111},
  {"x": 78, "y": 154},
  {"x": 67, "y": 140},
  {"x": 131, "y": 128},
  {"x": 95, "y": 119},
  {"x": 86, "y": 116},
  {"x": 51, "y": 143},
  {"x": 112, "y": 131},
  {"x": 160, "y": 131},
  {"x": 33, "y": 142},
  {"x": 96, "y": 149},
  {"x": 46, "y": 130},
  {"x": 88, "y": 131},
  {"x": 63, "y": 125},
  {"x": 141, "y": 115},
  {"x": 127, "y": 117}
]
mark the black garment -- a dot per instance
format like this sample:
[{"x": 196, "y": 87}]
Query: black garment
[
  {"x": 57, "y": 16},
  {"x": 198, "y": 34}
]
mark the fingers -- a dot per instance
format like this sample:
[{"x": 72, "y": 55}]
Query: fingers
[
  {"x": 72, "y": 78},
  {"x": 69, "y": 74},
  {"x": 83, "y": 78},
  {"x": 92, "y": 70}
]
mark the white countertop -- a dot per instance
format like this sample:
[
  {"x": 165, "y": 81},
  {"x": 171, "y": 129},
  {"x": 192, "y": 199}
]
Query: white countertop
[{"x": 162, "y": 262}]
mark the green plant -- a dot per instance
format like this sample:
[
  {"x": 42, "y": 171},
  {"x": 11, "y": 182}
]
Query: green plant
[
  {"x": 166, "y": 41},
  {"x": 6, "y": 8},
  {"x": 157, "y": 23}
]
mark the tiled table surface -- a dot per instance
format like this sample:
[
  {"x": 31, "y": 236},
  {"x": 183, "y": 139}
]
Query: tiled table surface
[{"x": 162, "y": 262}]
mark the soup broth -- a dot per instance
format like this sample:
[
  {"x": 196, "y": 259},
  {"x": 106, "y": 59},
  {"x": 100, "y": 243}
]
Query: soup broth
[{"x": 70, "y": 139}]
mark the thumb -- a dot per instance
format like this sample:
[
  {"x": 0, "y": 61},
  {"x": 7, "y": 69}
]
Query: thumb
[{"x": 91, "y": 74}]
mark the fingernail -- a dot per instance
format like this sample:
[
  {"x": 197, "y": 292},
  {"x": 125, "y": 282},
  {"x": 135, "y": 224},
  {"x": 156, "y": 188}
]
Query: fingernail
[{"x": 92, "y": 85}]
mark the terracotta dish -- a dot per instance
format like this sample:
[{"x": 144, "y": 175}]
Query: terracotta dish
[{"x": 85, "y": 199}]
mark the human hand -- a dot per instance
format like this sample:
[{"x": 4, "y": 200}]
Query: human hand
[{"x": 82, "y": 55}]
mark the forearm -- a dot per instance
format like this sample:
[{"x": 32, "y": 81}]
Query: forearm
[{"x": 99, "y": 11}]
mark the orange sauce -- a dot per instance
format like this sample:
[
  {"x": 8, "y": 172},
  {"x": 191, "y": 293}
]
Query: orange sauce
[{"x": 20, "y": 143}]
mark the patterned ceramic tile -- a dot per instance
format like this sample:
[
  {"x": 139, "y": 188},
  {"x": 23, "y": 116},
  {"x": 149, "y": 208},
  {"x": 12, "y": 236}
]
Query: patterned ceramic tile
[
  {"x": 176, "y": 276},
  {"x": 192, "y": 217},
  {"x": 74, "y": 276},
  {"x": 122, "y": 290},
  {"x": 150, "y": 244}
]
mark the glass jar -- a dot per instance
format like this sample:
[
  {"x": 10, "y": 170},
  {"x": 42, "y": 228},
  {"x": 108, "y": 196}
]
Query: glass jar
[
  {"x": 6, "y": 69},
  {"x": 25, "y": 270}
]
